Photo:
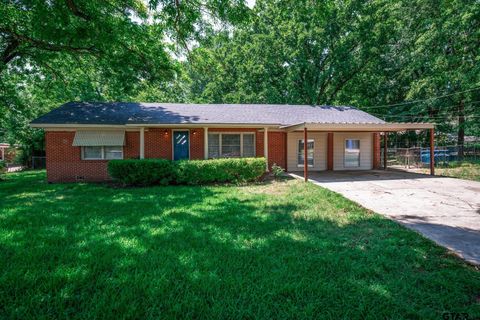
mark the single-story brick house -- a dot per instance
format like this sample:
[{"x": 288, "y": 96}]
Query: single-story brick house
[{"x": 81, "y": 137}]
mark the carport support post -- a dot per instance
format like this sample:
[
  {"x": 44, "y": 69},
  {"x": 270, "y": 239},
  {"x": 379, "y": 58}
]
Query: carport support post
[
  {"x": 432, "y": 152},
  {"x": 385, "y": 150},
  {"x": 305, "y": 156}
]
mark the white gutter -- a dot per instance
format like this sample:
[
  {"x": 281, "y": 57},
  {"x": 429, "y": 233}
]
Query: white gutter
[
  {"x": 155, "y": 125},
  {"x": 398, "y": 126}
]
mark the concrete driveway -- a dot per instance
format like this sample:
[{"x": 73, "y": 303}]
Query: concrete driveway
[{"x": 446, "y": 210}]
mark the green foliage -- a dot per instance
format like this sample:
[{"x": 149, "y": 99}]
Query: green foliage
[
  {"x": 297, "y": 52},
  {"x": 3, "y": 168},
  {"x": 196, "y": 172},
  {"x": 144, "y": 172},
  {"x": 289, "y": 250},
  {"x": 277, "y": 171},
  {"x": 52, "y": 52},
  {"x": 361, "y": 53}
]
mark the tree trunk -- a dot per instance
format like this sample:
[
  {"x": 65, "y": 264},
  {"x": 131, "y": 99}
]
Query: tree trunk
[{"x": 461, "y": 129}]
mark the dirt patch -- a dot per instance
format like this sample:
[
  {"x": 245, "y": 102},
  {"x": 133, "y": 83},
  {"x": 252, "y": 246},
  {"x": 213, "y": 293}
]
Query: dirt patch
[{"x": 271, "y": 186}]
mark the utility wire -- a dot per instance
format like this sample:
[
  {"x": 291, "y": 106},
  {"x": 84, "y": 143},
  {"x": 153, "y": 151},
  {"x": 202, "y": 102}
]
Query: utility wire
[
  {"x": 421, "y": 100},
  {"x": 468, "y": 104}
]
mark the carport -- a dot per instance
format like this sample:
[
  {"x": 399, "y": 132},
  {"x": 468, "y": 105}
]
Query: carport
[{"x": 378, "y": 129}]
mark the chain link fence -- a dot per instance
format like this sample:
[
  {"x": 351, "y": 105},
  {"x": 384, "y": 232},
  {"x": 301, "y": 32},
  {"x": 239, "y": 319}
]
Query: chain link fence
[
  {"x": 419, "y": 157},
  {"x": 39, "y": 162}
]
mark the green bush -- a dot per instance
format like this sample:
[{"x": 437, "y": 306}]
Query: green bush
[
  {"x": 3, "y": 168},
  {"x": 219, "y": 170},
  {"x": 277, "y": 171},
  {"x": 144, "y": 172}
]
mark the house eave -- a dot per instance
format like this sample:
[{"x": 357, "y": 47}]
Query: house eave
[
  {"x": 366, "y": 127},
  {"x": 155, "y": 125}
]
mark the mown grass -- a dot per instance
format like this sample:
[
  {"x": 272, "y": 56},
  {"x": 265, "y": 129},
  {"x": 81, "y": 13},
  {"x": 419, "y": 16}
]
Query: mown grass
[
  {"x": 468, "y": 170},
  {"x": 276, "y": 250}
]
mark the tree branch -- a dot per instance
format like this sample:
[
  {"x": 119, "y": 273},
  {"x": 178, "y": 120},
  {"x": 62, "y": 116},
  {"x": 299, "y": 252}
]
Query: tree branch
[
  {"x": 10, "y": 51},
  {"x": 44, "y": 45},
  {"x": 76, "y": 11}
]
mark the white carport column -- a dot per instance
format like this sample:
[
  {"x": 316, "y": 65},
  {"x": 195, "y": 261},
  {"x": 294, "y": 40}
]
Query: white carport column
[
  {"x": 142, "y": 143},
  {"x": 205, "y": 142},
  {"x": 265, "y": 146}
]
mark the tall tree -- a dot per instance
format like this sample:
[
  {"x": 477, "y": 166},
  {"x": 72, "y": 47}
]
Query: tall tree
[
  {"x": 55, "y": 51},
  {"x": 291, "y": 52}
]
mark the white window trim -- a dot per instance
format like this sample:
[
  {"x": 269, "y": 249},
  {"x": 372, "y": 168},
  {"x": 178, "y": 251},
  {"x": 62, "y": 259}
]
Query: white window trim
[
  {"x": 103, "y": 153},
  {"x": 359, "y": 153},
  {"x": 241, "y": 142},
  {"x": 301, "y": 165}
]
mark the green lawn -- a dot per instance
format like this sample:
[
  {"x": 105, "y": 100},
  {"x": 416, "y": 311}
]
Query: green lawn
[
  {"x": 469, "y": 170},
  {"x": 269, "y": 251}
]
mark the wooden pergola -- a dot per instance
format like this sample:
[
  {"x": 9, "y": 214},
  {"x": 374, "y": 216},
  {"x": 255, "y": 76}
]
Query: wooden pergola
[{"x": 384, "y": 128}]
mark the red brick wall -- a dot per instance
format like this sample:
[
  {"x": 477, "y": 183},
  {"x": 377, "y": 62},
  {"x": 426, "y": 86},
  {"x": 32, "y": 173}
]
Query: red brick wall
[
  {"x": 158, "y": 143},
  {"x": 197, "y": 144},
  {"x": 276, "y": 149},
  {"x": 131, "y": 150},
  {"x": 64, "y": 162}
]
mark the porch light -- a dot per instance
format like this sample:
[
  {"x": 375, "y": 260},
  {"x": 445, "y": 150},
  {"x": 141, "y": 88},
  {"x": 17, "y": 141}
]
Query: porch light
[{"x": 165, "y": 132}]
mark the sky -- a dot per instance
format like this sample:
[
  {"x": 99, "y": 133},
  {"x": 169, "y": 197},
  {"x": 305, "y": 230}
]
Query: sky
[{"x": 251, "y": 3}]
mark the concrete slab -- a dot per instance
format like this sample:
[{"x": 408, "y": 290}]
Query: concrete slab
[{"x": 445, "y": 210}]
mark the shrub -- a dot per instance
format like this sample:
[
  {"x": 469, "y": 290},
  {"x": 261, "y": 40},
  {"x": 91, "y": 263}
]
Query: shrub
[
  {"x": 3, "y": 168},
  {"x": 141, "y": 172},
  {"x": 219, "y": 170},
  {"x": 277, "y": 171}
]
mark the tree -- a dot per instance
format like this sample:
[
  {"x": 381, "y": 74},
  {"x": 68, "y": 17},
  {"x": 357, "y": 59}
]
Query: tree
[
  {"x": 400, "y": 60},
  {"x": 52, "y": 52},
  {"x": 291, "y": 52}
]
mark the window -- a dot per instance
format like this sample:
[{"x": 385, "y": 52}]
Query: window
[
  {"x": 248, "y": 145},
  {"x": 113, "y": 152},
  {"x": 213, "y": 145},
  {"x": 90, "y": 153},
  {"x": 301, "y": 153},
  {"x": 231, "y": 145},
  {"x": 102, "y": 153},
  {"x": 352, "y": 153}
]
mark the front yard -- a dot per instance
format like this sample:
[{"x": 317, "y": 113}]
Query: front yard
[{"x": 268, "y": 251}]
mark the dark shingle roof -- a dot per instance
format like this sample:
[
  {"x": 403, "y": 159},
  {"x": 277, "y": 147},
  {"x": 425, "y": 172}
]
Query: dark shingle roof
[{"x": 119, "y": 113}]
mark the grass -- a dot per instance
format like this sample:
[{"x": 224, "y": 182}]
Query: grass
[
  {"x": 269, "y": 251},
  {"x": 469, "y": 170}
]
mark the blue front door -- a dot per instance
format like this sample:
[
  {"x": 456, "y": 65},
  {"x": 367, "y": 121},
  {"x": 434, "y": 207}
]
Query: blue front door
[{"x": 181, "y": 145}]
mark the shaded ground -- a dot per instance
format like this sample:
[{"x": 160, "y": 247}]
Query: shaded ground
[
  {"x": 445, "y": 210},
  {"x": 270, "y": 251}
]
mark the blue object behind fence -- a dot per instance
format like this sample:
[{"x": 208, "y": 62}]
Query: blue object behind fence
[{"x": 438, "y": 155}]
